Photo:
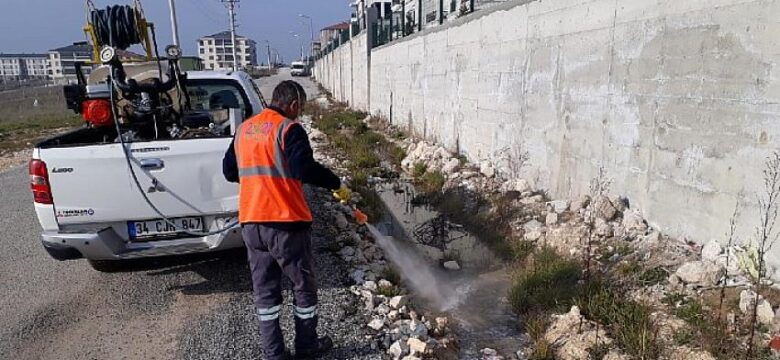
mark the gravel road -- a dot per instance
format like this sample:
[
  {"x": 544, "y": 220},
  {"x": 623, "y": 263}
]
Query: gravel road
[{"x": 194, "y": 307}]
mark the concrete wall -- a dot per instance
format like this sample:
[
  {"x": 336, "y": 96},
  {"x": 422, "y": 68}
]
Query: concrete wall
[
  {"x": 678, "y": 101},
  {"x": 344, "y": 72}
]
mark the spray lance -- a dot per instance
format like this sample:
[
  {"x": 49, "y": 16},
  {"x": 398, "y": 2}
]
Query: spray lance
[{"x": 344, "y": 195}]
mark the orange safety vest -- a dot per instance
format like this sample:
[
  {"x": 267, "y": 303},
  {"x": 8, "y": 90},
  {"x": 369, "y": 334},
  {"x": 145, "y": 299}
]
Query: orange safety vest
[{"x": 268, "y": 192}]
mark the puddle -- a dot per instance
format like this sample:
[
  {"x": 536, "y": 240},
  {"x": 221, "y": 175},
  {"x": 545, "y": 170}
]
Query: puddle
[{"x": 417, "y": 239}]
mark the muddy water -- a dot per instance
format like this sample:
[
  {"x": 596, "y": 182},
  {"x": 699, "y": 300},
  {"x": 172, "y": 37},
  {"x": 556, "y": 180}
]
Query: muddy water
[{"x": 418, "y": 239}]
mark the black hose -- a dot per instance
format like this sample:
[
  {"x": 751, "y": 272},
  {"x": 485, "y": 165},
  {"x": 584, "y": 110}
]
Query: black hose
[{"x": 117, "y": 26}]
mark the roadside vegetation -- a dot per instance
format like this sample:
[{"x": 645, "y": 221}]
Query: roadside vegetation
[{"x": 23, "y": 121}]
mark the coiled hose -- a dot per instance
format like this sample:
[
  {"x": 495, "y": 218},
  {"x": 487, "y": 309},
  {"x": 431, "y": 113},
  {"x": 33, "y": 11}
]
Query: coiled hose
[{"x": 117, "y": 26}]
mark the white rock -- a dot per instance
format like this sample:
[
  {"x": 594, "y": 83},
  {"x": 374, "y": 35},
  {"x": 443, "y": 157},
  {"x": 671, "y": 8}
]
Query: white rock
[
  {"x": 532, "y": 225},
  {"x": 519, "y": 185},
  {"x": 487, "y": 169},
  {"x": 764, "y": 312},
  {"x": 532, "y": 235},
  {"x": 711, "y": 251},
  {"x": 417, "y": 346},
  {"x": 558, "y": 206},
  {"x": 490, "y": 354},
  {"x": 393, "y": 315},
  {"x": 370, "y": 285},
  {"x": 580, "y": 203},
  {"x": 384, "y": 283},
  {"x": 398, "y": 349},
  {"x": 551, "y": 219},
  {"x": 701, "y": 273},
  {"x": 531, "y": 200},
  {"x": 451, "y": 166},
  {"x": 603, "y": 228},
  {"x": 632, "y": 221},
  {"x": 411, "y": 357},
  {"x": 451, "y": 265},
  {"x": 377, "y": 324},
  {"x": 396, "y": 302},
  {"x": 604, "y": 208}
]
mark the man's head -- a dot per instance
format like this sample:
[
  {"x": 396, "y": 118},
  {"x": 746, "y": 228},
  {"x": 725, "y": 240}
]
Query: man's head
[{"x": 290, "y": 97}]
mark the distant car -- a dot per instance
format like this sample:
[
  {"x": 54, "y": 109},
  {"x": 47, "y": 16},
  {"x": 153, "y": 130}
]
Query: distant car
[{"x": 299, "y": 69}]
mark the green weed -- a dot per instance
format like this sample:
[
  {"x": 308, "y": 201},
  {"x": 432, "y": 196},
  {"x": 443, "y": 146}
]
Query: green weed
[{"x": 550, "y": 284}]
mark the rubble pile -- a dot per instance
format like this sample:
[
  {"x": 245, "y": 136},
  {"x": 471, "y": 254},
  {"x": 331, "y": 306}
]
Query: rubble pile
[{"x": 616, "y": 233}]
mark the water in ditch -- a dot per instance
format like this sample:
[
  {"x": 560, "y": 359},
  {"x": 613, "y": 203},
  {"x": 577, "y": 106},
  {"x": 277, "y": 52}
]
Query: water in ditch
[{"x": 417, "y": 239}]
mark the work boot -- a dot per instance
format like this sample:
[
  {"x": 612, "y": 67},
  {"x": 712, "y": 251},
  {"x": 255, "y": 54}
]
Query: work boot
[{"x": 324, "y": 344}]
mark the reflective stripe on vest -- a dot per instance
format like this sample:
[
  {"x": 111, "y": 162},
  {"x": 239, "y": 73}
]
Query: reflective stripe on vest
[{"x": 268, "y": 191}]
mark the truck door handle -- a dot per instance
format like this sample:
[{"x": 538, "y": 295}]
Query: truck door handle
[{"x": 152, "y": 164}]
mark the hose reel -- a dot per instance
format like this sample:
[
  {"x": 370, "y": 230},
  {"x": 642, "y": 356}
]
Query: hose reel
[{"x": 119, "y": 26}]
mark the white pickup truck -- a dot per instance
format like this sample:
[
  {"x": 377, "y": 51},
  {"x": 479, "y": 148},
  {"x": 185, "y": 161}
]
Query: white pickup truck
[{"x": 89, "y": 207}]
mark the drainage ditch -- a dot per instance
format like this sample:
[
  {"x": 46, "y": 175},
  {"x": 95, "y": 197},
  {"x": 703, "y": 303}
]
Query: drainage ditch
[{"x": 419, "y": 240}]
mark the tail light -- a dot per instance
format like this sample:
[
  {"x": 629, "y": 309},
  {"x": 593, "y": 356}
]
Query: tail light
[
  {"x": 39, "y": 182},
  {"x": 97, "y": 112}
]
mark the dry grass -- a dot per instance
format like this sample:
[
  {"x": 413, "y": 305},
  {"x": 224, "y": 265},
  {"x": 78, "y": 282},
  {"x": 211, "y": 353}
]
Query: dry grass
[{"x": 22, "y": 123}]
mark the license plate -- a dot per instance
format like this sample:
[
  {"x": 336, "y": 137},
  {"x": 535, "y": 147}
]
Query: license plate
[{"x": 161, "y": 228}]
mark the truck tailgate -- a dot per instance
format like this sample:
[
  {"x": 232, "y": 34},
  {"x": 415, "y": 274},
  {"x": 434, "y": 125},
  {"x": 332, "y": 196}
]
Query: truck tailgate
[{"x": 92, "y": 184}]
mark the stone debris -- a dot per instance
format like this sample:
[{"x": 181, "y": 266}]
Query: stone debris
[
  {"x": 417, "y": 346},
  {"x": 396, "y": 302},
  {"x": 573, "y": 336},
  {"x": 551, "y": 219},
  {"x": 603, "y": 208},
  {"x": 490, "y": 354},
  {"x": 558, "y": 206},
  {"x": 711, "y": 251},
  {"x": 764, "y": 313},
  {"x": 451, "y": 265},
  {"x": 701, "y": 273},
  {"x": 377, "y": 324}
]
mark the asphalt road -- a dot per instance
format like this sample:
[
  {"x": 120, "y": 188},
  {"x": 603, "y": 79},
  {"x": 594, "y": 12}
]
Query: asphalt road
[{"x": 194, "y": 307}]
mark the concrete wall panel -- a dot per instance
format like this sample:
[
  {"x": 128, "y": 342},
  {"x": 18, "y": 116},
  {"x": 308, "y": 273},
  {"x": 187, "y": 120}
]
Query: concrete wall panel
[{"x": 677, "y": 101}]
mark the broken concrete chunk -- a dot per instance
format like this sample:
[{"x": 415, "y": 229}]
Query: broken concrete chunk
[
  {"x": 558, "y": 206},
  {"x": 451, "y": 265},
  {"x": 747, "y": 299},
  {"x": 396, "y": 302},
  {"x": 451, "y": 166},
  {"x": 417, "y": 346},
  {"x": 398, "y": 349},
  {"x": 632, "y": 221},
  {"x": 603, "y": 208},
  {"x": 487, "y": 169},
  {"x": 551, "y": 219},
  {"x": 377, "y": 324},
  {"x": 370, "y": 285},
  {"x": 701, "y": 273},
  {"x": 711, "y": 251}
]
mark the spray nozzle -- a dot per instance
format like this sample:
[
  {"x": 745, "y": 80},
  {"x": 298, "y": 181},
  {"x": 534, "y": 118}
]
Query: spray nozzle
[{"x": 360, "y": 217}]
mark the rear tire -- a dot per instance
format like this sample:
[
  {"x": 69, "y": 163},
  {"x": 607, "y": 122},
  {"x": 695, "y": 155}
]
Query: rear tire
[{"x": 106, "y": 266}]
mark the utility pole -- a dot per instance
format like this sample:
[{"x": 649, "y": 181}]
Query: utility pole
[
  {"x": 268, "y": 48},
  {"x": 174, "y": 24},
  {"x": 231, "y": 5}
]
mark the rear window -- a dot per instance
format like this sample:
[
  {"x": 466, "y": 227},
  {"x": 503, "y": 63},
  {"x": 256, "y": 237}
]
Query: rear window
[
  {"x": 298, "y": 66},
  {"x": 209, "y": 95}
]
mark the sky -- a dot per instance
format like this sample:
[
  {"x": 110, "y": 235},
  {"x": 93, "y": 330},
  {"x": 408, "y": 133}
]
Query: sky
[{"x": 36, "y": 26}]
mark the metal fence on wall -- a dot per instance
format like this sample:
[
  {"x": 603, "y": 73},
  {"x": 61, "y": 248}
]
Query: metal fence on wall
[{"x": 405, "y": 19}]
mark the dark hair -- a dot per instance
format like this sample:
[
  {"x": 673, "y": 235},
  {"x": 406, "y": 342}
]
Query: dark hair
[{"x": 286, "y": 92}]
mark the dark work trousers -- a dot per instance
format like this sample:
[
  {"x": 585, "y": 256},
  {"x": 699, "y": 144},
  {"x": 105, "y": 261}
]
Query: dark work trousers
[{"x": 273, "y": 253}]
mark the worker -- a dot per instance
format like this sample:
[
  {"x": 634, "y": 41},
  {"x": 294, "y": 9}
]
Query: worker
[{"x": 271, "y": 158}]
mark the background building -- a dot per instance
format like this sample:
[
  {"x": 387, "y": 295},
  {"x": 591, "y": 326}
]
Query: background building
[
  {"x": 332, "y": 32},
  {"x": 216, "y": 51},
  {"x": 62, "y": 61},
  {"x": 23, "y": 66}
]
